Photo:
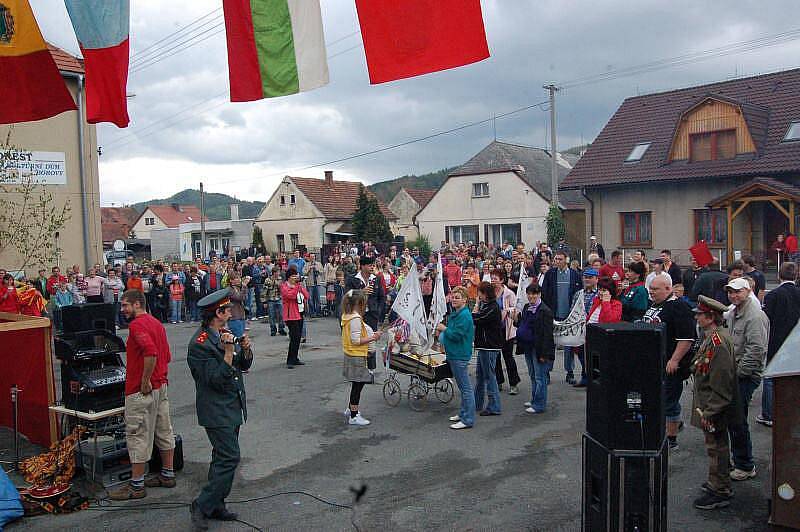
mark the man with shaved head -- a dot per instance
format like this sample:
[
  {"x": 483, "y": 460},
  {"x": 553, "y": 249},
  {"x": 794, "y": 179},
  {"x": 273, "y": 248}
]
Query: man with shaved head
[{"x": 680, "y": 331}]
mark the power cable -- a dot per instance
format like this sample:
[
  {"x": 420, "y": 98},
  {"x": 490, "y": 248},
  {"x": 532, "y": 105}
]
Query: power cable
[
  {"x": 178, "y": 48},
  {"x": 176, "y": 32}
]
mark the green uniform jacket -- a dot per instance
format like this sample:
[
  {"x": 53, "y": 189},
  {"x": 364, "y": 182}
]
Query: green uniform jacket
[
  {"x": 221, "y": 400},
  {"x": 716, "y": 388}
]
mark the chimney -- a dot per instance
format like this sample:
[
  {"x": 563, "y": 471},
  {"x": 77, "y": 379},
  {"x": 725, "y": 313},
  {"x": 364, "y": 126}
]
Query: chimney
[
  {"x": 234, "y": 211},
  {"x": 329, "y": 177}
]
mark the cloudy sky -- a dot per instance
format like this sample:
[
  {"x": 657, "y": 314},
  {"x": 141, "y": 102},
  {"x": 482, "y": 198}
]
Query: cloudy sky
[{"x": 183, "y": 129}]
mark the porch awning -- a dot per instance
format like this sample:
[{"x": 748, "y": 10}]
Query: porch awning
[{"x": 768, "y": 185}]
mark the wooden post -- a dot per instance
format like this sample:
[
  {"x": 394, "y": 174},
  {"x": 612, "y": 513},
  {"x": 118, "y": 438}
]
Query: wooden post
[
  {"x": 730, "y": 232},
  {"x": 791, "y": 216}
]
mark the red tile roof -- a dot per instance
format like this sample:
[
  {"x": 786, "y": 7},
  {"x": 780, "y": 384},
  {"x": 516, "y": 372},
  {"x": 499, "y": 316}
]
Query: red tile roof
[
  {"x": 421, "y": 196},
  {"x": 65, "y": 61},
  {"x": 769, "y": 103},
  {"x": 117, "y": 222},
  {"x": 337, "y": 200},
  {"x": 174, "y": 215}
]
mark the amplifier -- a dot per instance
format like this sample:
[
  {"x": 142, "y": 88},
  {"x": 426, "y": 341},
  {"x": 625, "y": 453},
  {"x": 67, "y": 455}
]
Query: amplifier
[
  {"x": 92, "y": 389},
  {"x": 624, "y": 490},
  {"x": 105, "y": 459}
]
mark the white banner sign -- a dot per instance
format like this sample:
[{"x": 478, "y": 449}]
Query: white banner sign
[{"x": 43, "y": 167}]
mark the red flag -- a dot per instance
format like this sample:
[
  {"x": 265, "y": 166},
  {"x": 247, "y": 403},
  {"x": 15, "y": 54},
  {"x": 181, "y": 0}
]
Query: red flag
[
  {"x": 701, "y": 254},
  {"x": 406, "y": 38}
]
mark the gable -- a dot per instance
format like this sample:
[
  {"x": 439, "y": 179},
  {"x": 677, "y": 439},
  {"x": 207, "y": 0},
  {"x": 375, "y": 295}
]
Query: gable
[
  {"x": 303, "y": 207},
  {"x": 710, "y": 116}
]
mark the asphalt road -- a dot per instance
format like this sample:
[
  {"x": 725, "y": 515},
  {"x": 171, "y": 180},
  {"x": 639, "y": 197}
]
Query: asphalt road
[{"x": 512, "y": 472}]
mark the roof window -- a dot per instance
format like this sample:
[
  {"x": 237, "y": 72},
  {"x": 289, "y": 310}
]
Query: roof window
[
  {"x": 793, "y": 133},
  {"x": 637, "y": 152}
]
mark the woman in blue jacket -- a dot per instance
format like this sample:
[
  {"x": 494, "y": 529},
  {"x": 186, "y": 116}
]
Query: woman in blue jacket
[{"x": 457, "y": 337}]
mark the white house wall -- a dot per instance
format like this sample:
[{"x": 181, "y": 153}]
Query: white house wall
[
  {"x": 405, "y": 207},
  {"x": 143, "y": 231},
  {"x": 302, "y": 219},
  {"x": 510, "y": 201}
]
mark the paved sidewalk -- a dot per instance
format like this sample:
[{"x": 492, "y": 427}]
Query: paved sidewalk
[{"x": 512, "y": 472}]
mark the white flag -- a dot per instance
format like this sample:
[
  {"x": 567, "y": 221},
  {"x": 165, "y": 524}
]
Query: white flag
[
  {"x": 571, "y": 332},
  {"x": 438, "y": 303},
  {"x": 524, "y": 281},
  {"x": 408, "y": 305}
]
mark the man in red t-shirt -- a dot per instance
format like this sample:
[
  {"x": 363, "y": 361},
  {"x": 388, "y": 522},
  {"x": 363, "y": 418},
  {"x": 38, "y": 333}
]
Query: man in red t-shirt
[
  {"x": 147, "y": 420},
  {"x": 614, "y": 269}
]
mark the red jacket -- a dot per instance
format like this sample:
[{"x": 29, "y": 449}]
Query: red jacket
[
  {"x": 610, "y": 311},
  {"x": 791, "y": 244},
  {"x": 52, "y": 283},
  {"x": 289, "y": 295},
  {"x": 8, "y": 300}
]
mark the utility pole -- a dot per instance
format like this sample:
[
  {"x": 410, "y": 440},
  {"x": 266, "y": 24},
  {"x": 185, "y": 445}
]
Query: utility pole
[
  {"x": 553, "y": 151},
  {"x": 202, "y": 223}
]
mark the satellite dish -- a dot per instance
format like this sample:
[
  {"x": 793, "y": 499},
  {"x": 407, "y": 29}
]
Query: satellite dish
[{"x": 119, "y": 245}]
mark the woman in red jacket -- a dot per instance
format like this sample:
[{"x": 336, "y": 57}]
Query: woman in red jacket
[
  {"x": 295, "y": 300},
  {"x": 8, "y": 295},
  {"x": 605, "y": 307}
]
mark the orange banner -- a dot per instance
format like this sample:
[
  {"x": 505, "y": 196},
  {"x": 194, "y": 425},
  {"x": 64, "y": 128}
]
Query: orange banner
[{"x": 19, "y": 32}]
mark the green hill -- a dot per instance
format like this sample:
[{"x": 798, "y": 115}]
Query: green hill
[
  {"x": 386, "y": 190},
  {"x": 217, "y": 205}
]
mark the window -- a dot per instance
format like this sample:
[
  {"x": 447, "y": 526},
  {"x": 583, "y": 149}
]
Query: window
[
  {"x": 497, "y": 234},
  {"x": 637, "y": 229},
  {"x": 793, "y": 133},
  {"x": 198, "y": 252},
  {"x": 294, "y": 239},
  {"x": 711, "y": 225},
  {"x": 461, "y": 233},
  {"x": 149, "y": 221},
  {"x": 713, "y": 146},
  {"x": 480, "y": 190},
  {"x": 213, "y": 244},
  {"x": 292, "y": 199},
  {"x": 281, "y": 243},
  {"x": 283, "y": 200},
  {"x": 637, "y": 152},
  {"x": 226, "y": 244}
]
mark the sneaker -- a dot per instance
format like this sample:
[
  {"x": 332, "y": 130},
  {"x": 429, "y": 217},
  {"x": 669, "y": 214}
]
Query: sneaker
[
  {"x": 513, "y": 390},
  {"x": 532, "y": 410},
  {"x": 711, "y": 501},
  {"x": 455, "y": 418},
  {"x": 763, "y": 421},
  {"x": 741, "y": 474},
  {"x": 358, "y": 420},
  {"x": 160, "y": 481},
  {"x": 254, "y": 319},
  {"x": 126, "y": 493},
  {"x": 527, "y": 403},
  {"x": 488, "y": 413},
  {"x": 460, "y": 425}
]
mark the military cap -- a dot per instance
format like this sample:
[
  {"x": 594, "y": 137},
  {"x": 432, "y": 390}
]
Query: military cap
[
  {"x": 707, "y": 304},
  {"x": 215, "y": 300}
]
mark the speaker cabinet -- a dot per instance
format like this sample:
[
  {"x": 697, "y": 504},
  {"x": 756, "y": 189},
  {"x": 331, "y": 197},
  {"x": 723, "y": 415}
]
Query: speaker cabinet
[
  {"x": 88, "y": 317},
  {"x": 786, "y": 453},
  {"x": 624, "y": 402},
  {"x": 624, "y": 490}
]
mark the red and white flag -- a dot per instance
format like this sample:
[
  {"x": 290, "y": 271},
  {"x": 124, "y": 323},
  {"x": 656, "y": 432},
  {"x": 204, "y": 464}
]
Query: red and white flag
[{"x": 406, "y": 38}]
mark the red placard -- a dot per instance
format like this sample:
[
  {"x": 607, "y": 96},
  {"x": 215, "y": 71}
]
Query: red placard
[{"x": 701, "y": 254}]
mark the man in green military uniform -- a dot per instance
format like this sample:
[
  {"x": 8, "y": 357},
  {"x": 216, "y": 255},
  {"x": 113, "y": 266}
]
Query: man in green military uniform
[
  {"x": 715, "y": 400},
  {"x": 216, "y": 364}
]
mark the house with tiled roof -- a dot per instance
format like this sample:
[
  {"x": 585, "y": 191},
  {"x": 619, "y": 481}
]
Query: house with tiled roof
[
  {"x": 170, "y": 216},
  {"x": 117, "y": 223},
  {"x": 502, "y": 194},
  {"x": 311, "y": 212},
  {"x": 717, "y": 162},
  {"x": 405, "y": 205}
]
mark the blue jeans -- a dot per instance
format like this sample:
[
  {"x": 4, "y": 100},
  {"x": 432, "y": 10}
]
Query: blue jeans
[
  {"x": 314, "y": 293},
  {"x": 486, "y": 381},
  {"x": 236, "y": 327},
  {"x": 673, "y": 387},
  {"x": 767, "y": 394},
  {"x": 275, "y": 309},
  {"x": 460, "y": 369},
  {"x": 192, "y": 311},
  {"x": 539, "y": 373},
  {"x": 248, "y": 301},
  {"x": 175, "y": 310},
  {"x": 741, "y": 446},
  {"x": 569, "y": 361},
  {"x": 259, "y": 305}
]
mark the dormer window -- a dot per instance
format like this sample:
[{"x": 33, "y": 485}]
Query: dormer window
[
  {"x": 793, "y": 133},
  {"x": 637, "y": 152},
  {"x": 712, "y": 146}
]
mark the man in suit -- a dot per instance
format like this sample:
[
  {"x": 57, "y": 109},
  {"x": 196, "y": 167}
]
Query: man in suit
[
  {"x": 560, "y": 285},
  {"x": 216, "y": 364},
  {"x": 366, "y": 280},
  {"x": 782, "y": 306}
]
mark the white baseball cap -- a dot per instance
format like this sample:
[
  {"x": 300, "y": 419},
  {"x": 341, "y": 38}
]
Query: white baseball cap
[{"x": 738, "y": 284}]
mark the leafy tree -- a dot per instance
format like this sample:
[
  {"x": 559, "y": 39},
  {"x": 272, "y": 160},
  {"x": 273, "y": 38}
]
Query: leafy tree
[
  {"x": 556, "y": 230},
  {"x": 258, "y": 238},
  {"x": 368, "y": 221},
  {"x": 423, "y": 244}
]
